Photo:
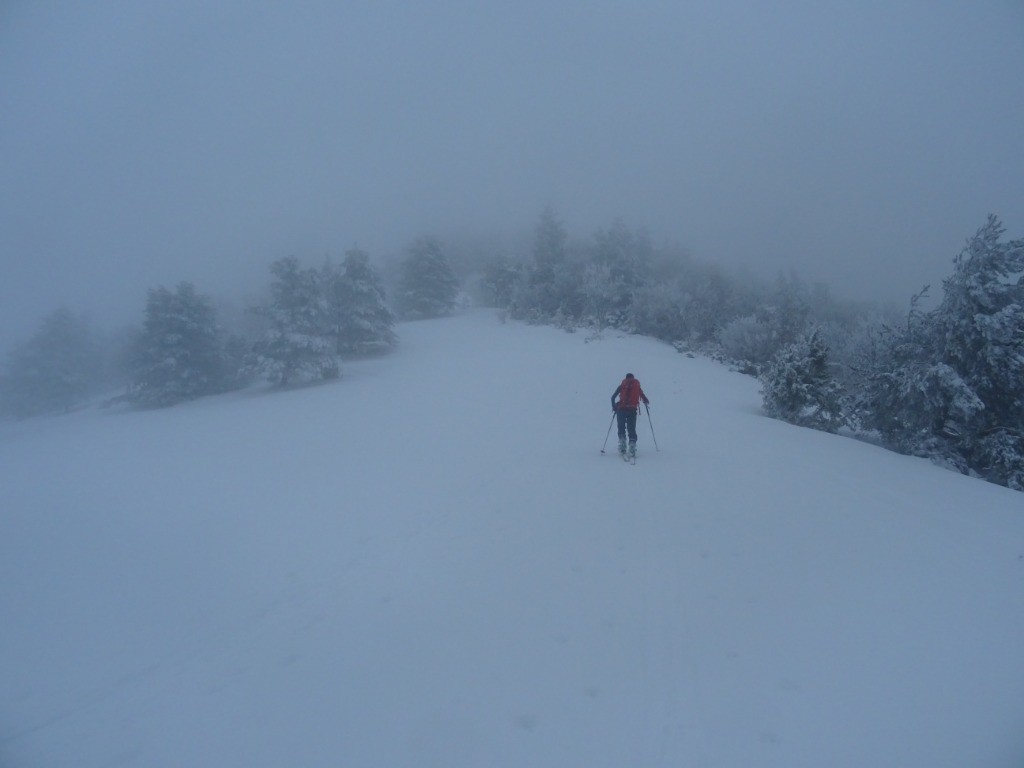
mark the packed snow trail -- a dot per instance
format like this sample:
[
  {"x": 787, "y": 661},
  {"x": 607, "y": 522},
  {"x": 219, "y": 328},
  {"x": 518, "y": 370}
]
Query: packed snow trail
[{"x": 428, "y": 562}]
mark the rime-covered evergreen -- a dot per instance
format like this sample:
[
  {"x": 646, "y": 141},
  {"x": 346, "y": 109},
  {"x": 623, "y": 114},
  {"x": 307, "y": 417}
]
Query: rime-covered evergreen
[
  {"x": 659, "y": 309},
  {"x": 780, "y": 319},
  {"x": 619, "y": 267},
  {"x": 750, "y": 341},
  {"x": 900, "y": 391},
  {"x": 600, "y": 285},
  {"x": 979, "y": 327},
  {"x": 498, "y": 283},
  {"x": 179, "y": 355},
  {"x": 53, "y": 371},
  {"x": 591, "y": 285},
  {"x": 797, "y": 385},
  {"x": 542, "y": 293},
  {"x": 619, "y": 279},
  {"x": 300, "y": 343},
  {"x": 429, "y": 286},
  {"x": 950, "y": 384},
  {"x": 359, "y": 317}
]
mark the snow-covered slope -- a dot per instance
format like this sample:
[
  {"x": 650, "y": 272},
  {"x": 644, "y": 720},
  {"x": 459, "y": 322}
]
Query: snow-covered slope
[{"x": 430, "y": 563}]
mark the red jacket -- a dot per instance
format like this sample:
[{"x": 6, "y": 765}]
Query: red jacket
[{"x": 629, "y": 393}]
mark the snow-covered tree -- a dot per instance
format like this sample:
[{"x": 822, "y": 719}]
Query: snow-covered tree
[
  {"x": 659, "y": 309},
  {"x": 605, "y": 302},
  {"x": 797, "y": 386},
  {"x": 179, "y": 354},
  {"x": 978, "y": 331},
  {"x": 299, "y": 343},
  {"x": 710, "y": 300},
  {"x": 621, "y": 265},
  {"x": 360, "y": 319},
  {"x": 999, "y": 455},
  {"x": 750, "y": 341},
  {"x": 979, "y": 326},
  {"x": 950, "y": 385},
  {"x": 885, "y": 368},
  {"x": 429, "y": 287},
  {"x": 626, "y": 253},
  {"x": 549, "y": 262},
  {"x": 54, "y": 370},
  {"x": 780, "y": 318},
  {"x": 499, "y": 280},
  {"x": 549, "y": 242},
  {"x": 789, "y": 310}
]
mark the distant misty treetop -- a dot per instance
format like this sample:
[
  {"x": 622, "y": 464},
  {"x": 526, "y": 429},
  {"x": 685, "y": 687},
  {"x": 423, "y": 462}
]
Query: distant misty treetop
[
  {"x": 429, "y": 286},
  {"x": 55, "y": 370}
]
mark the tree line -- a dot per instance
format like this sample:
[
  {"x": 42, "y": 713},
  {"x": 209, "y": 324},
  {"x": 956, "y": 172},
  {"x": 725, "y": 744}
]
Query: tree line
[
  {"x": 310, "y": 320},
  {"x": 947, "y": 384}
]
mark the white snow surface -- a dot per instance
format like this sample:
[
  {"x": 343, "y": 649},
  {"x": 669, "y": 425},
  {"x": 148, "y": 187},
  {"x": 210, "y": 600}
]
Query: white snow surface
[{"x": 429, "y": 562}]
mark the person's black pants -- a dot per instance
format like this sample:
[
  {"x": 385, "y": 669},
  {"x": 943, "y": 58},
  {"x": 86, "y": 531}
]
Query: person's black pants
[{"x": 626, "y": 419}]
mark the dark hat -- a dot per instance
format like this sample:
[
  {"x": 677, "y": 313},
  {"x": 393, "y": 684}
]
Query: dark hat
[{"x": 629, "y": 376}]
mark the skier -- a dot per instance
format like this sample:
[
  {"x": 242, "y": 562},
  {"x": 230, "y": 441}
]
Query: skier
[{"x": 629, "y": 394}]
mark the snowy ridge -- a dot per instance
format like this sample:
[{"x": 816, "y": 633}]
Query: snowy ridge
[{"x": 428, "y": 562}]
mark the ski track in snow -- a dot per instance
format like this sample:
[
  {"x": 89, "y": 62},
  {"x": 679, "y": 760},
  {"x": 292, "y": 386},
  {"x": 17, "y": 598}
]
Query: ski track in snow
[{"x": 429, "y": 562}]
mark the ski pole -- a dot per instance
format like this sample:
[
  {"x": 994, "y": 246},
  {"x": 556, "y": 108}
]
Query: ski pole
[
  {"x": 608, "y": 433},
  {"x": 648, "y": 409}
]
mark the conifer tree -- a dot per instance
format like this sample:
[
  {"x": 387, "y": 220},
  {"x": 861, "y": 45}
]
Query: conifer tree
[
  {"x": 626, "y": 253},
  {"x": 549, "y": 263},
  {"x": 950, "y": 385},
  {"x": 797, "y": 386},
  {"x": 53, "y": 371},
  {"x": 978, "y": 331},
  {"x": 300, "y": 342},
  {"x": 499, "y": 281},
  {"x": 749, "y": 341},
  {"x": 179, "y": 353},
  {"x": 360, "y": 319},
  {"x": 619, "y": 267},
  {"x": 429, "y": 286}
]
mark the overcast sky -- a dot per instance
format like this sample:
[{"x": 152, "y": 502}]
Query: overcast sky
[{"x": 144, "y": 143}]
